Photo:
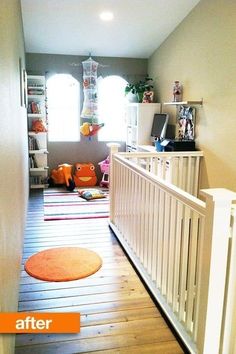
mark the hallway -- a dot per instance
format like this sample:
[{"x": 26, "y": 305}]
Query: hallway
[{"x": 117, "y": 313}]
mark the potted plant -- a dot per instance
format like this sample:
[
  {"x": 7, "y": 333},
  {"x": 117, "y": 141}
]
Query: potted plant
[{"x": 139, "y": 88}]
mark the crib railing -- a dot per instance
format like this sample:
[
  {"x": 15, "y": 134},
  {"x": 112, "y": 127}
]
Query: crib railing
[
  {"x": 179, "y": 168},
  {"x": 228, "y": 342},
  {"x": 178, "y": 243}
]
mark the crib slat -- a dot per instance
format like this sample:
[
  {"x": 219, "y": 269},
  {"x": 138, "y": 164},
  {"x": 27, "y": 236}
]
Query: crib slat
[
  {"x": 201, "y": 228},
  {"x": 192, "y": 270},
  {"x": 122, "y": 201},
  {"x": 117, "y": 205},
  {"x": 160, "y": 239},
  {"x": 127, "y": 206},
  {"x": 146, "y": 223},
  {"x": 184, "y": 263},
  {"x": 126, "y": 202},
  {"x": 196, "y": 173},
  {"x": 144, "y": 211},
  {"x": 120, "y": 197},
  {"x": 179, "y": 226},
  {"x": 154, "y": 168},
  {"x": 150, "y": 233},
  {"x": 123, "y": 177},
  {"x": 134, "y": 209},
  {"x": 131, "y": 211},
  {"x": 165, "y": 244},
  {"x": 155, "y": 233},
  {"x": 180, "y": 172},
  {"x": 128, "y": 209},
  {"x": 189, "y": 174},
  {"x": 163, "y": 161},
  {"x": 171, "y": 263},
  {"x": 142, "y": 219},
  {"x": 115, "y": 182},
  {"x": 137, "y": 228}
]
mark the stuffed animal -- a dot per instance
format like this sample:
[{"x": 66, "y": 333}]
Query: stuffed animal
[
  {"x": 90, "y": 129},
  {"x": 85, "y": 175},
  {"x": 38, "y": 126},
  {"x": 63, "y": 175}
]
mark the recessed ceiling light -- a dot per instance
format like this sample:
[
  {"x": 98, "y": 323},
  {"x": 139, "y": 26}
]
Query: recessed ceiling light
[{"x": 106, "y": 16}]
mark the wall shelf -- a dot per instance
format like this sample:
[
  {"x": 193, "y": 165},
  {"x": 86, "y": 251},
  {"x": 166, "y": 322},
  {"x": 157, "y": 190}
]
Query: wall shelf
[
  {"x": 185, "y": 117},
  {"x": 37, "y": 141},
  {"x": 38, "y": 186},
  {"x": 39, "y": 169},
  {"x": 32, "y": 133},
  {"x": 35, "y": 115},
  {"x": 40, "y": 151},
  {"x": 139, "y": 120},
  {"x": 184, "y": 103},
  {"x": 36, "y": 96}
]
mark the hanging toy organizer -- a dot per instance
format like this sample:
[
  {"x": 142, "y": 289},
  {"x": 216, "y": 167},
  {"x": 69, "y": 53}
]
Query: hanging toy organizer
[{"x": 89, "y": 112}]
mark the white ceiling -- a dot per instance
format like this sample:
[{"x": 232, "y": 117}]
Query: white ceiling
[{"x": 74, "y": 27}]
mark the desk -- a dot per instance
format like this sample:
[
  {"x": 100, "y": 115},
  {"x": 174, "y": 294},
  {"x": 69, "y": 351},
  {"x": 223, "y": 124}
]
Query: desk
[{"x": 146, "y": 148}]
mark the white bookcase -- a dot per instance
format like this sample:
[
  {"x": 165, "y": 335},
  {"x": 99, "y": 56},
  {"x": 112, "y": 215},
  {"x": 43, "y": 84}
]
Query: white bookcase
[
  {"x": 139, "y": 119},
  {"x": 38, "y": 153}
]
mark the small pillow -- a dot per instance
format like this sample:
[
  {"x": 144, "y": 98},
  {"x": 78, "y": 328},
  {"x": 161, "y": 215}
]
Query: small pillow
[{"x": 90, "y": 194}]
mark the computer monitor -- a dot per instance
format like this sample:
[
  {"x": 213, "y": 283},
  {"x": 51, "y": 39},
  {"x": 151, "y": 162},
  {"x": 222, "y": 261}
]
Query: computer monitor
[{"x": 160, "y": 121}]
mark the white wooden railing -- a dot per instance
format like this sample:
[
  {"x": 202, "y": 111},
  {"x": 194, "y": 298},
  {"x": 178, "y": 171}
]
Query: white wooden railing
[
  {"x": 178, "y": 243},
  {"x": 178, "y": 168},
  {"x": 228, "y": 340}
]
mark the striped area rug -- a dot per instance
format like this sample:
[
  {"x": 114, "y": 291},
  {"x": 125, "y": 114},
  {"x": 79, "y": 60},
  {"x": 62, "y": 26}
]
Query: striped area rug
[{"x": 60, "y": 204}]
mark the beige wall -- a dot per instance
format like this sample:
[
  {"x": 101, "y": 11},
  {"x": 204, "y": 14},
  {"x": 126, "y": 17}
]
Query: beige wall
[
  {"x": 13, "y": 156},
  {"x": 201, "y": 53}
]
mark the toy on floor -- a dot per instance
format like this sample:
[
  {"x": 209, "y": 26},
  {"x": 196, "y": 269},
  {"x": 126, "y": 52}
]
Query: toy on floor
[
  {"x": 62, "y": 175},
  {"x": 85, "y": 175},
  {"x": 104, "y": 166}
]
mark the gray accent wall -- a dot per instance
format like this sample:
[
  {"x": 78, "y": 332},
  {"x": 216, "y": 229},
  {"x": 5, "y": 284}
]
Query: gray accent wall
[{"x": 48, "y": 64}]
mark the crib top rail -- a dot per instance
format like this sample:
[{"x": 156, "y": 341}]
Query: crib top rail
[
  {"x": 164, "y": 154},
  {"x": 184, "y": 197}
]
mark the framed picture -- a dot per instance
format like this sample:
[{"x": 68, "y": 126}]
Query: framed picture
[
  {"x": 23, "y": 85},
  {"x": 186, "y": 121}
]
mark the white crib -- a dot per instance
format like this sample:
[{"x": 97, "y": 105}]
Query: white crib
[{"x": 178, "y": 243}]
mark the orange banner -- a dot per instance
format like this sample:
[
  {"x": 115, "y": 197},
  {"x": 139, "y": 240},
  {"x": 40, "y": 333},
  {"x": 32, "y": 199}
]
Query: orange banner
[{"x": 37, "y": 322}]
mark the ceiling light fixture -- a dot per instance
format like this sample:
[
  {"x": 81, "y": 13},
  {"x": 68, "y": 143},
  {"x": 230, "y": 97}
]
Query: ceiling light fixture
[{"x": 106, "y": 16}]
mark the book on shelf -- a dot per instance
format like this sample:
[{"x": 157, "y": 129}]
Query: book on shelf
[
  {"x": 35, "y": 85},
  {"x": 38, "y": 180},
  {"x": 33, "y": 162},
  {"x": 36, "y": 91},
  {"x": 33, "y": 143},
  {"x": 34, "y": 108}
]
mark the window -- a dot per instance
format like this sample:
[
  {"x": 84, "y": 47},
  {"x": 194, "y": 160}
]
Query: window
[
  {"x": 111, "y": 102},
  {"x": 63, "y": 92}
]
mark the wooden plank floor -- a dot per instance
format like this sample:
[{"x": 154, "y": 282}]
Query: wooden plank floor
[{"x": 117, "y": 313}]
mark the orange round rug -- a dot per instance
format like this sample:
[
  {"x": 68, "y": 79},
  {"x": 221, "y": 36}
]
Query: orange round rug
[{"x": 63, "y": 264}]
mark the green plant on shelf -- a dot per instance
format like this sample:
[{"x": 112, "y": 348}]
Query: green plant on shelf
[{"x": 139, "y": 88}]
